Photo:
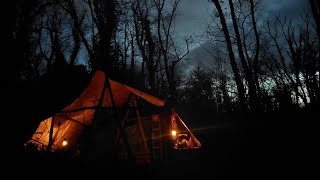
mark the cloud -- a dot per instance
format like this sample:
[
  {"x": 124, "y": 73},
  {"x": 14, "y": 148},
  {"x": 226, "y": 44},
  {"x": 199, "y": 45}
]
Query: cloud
[
  {"x": 196, "y": 13},
  {"x": 193, "y": 15},
  {"x": 292, "y": 8},
  {"x": 201, "y": 55}
]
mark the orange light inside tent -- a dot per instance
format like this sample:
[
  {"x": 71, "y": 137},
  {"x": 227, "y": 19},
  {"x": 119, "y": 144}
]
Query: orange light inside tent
[
  {"x": 173, "y": 133},
  {"x": 64, "y": 143}
]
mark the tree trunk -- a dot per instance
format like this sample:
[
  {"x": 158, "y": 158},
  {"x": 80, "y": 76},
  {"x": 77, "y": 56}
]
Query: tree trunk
[
  {"x": 237, "y": 77},
  {"x": 132, "y": 57},
  {"x": 315, "y": 7},
  {"x": 247, "y": 71},
  {"x": 257, "y": 50},
  {"x": 150, "y": 60}
]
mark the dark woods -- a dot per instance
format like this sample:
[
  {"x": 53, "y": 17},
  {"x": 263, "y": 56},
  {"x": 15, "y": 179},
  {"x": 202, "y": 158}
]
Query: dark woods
[
  {"x": 268, "y": 63},
  {"x": 264, "y": 69},
  {"x": 259, "y": 63}
]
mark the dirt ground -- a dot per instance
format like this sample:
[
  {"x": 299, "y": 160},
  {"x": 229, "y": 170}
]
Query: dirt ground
[{"x": 247, "y": 147}]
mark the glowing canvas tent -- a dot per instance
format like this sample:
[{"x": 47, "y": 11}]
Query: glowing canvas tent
[{"x": 67, "y": 125}]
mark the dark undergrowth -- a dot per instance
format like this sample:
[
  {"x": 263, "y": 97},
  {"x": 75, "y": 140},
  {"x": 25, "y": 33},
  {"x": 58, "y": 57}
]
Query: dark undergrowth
[{"x": 263, "y": 146}]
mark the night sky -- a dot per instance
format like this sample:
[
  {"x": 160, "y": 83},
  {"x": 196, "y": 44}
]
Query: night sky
[{"x": 195, "y": 15}]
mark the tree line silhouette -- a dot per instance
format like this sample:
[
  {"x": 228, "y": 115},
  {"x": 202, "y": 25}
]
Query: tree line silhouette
[{"x": 260, "y": 63}]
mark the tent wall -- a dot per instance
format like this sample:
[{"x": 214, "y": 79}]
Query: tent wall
[{"x": 70, "y": 123}]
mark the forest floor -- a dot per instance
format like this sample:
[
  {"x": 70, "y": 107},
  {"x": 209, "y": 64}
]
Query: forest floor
[{"x": 264, "y": 146}]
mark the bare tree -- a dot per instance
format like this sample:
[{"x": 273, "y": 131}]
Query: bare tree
[
  {"x": 237, "y": 77},
  {"x": 297, "y": 57},
  {"x": 248, "y": 71},
  {"x": 145, "y": 41},
  {"x": 167, "y": 45}
]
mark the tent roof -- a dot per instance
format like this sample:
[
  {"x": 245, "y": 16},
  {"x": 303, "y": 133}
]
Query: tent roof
[
  {"x": 69, "y": 123},
  {"x": 120, "y": 92}
]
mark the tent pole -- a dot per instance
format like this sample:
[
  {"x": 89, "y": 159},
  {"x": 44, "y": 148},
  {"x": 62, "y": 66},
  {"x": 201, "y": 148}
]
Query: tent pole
[
  {"x": 122, "y": 123},
  {"x": 117, "y": 122},
  {"x": 191, "y": 134},
  {"x": 51, "y": 133},
  {"x": 140, "y": 124}
]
